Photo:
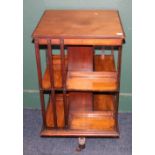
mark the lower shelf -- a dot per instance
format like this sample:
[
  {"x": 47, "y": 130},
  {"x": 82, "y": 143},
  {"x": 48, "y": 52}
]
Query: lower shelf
[
  {"x": 94, "y": 120},
  {"x": 89, "y": 115}
]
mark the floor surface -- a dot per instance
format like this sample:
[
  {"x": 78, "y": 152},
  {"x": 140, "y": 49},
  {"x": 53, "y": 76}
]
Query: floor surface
[{"x": 36, "y": 145}]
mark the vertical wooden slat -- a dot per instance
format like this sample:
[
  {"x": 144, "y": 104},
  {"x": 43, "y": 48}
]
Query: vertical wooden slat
[
  {"x": 119, "y": 65},
  {"x": 46, "y": 55},
  {"x": 63, "y": 72},
  {"x": 112, "y": 50},
  {"x": 38, "y": 62},
  {"x": 119, "y": 61},
  {"x": 52, "y": 95}
]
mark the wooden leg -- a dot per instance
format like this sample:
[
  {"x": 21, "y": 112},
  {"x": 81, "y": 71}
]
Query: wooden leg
[{"x": 38, "y": 62}]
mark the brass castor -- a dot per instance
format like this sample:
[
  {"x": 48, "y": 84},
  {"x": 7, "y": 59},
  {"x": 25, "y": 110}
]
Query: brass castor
[{"x": 82, "y": 144}]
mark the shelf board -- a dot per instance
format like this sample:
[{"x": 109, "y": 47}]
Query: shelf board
[
  {"x": 92, "y": 81},
  {"x": 93, "y": 120}
]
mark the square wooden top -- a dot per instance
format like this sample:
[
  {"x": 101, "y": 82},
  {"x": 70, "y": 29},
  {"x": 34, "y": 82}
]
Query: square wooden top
[{"x": 80, "y": 24}]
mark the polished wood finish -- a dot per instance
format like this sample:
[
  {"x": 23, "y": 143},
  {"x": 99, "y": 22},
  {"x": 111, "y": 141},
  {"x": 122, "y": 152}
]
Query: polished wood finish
[
  {"x": 57, "y": 73},
  {"x": 83, "y": 87},
  {"x": 105, "y": 63},
  {"x": 104, "y": 102},
  {"x": 80, "y": 58},
  {"x": 80, "y": 101},
  {"x": 59, "y": 110},
  {"x": 105, "y": 42},
  {"x": 83, "y": 115},
  {"x": 81, "y": 111},
  {"x": 80, "y": 23},
  {"x": 92, "y": 121},
  {"x": 79, "y": 133},
  {"x": 92, "y": 81},
  {"x": 39, "y": 71}
]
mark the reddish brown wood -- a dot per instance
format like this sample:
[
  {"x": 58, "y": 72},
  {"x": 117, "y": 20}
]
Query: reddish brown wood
[
  {"x": 80, "y": 23},
  {"x": 77, "y": 133},
  {"x": 38, "y": 62},
  {"x": 80, "y": 58},
  {"x": 105, "y": 63},
  {"x": 112, "y": 50},
  {"x": 57, "y": 73},
  {"x": 63, "y": 74},
  {"x": 51, "y": 73},
  {"x": 59, "y": 112},
  {"x": 50, "y": 62},
  {"x": 42, "y": 101},
  {"x": 92, "y": 81},
  {"x": 85, "y": 41},
  {"x": 92, "y": 121},
  {"x": 80, "y": 101},
  {"x": 103, "y": 102},
  {"x": 119, "y": 62},
  {"x": 82, "y": 113}
]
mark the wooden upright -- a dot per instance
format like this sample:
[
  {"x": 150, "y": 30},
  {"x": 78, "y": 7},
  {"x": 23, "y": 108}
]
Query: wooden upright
[{"x": 82, "y": 80}]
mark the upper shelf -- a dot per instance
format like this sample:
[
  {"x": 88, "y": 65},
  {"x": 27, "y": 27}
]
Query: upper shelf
[
  {"x": 101, "y": 63},
  {"x": 89, "y": 27}
]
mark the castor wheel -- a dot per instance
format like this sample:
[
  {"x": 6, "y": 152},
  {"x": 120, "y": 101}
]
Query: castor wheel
[{"x": 81, "y": 144}]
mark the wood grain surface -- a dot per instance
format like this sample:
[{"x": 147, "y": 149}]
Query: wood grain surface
[
  {"x": 78, "y": 23},
  {"x": 100, "y": 64}
]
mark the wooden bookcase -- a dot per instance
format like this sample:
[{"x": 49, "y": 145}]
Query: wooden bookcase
[{"x": 82, "y": 86}]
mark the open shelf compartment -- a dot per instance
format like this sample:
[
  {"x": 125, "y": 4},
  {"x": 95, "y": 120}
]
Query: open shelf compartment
[
  {"x": 104, "y": 78},
  {"x": 89, "y": 114},
  {"x": 92, "y": 81}
]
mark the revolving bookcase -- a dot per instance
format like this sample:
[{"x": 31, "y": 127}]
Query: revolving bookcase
[{"x": 81, "y": 76}]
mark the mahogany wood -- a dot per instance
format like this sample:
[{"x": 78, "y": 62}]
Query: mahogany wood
[
  {"x": 80, "y": 23},
  {"x": 57, "y": 73},
  {"x": 104, "y": 102},
  {"x": 69, "y": 132},
  {"x": 80, "y": 101},
  {"x": 104, "y": 63},
  {"x": 81, "y": 107},
  {"x": 100, "y": 64},
  {"x": 88, "y": 41},
  {"x": 51, "y": 73},
  {"x": 92, "y": 120},
  {"x": 80, "y": 58},
  {"x": 63, "y": 74},
  {"x": 92, "y": 81},
  {"x": 59, "y": 112},
  {"x": 39, "y": 71}
]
